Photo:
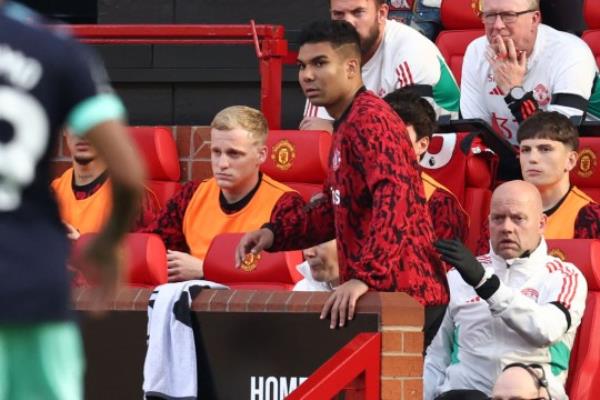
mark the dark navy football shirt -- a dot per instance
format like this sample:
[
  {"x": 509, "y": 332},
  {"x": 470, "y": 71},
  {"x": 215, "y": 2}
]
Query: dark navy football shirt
[{"x": 47, "y": 80}]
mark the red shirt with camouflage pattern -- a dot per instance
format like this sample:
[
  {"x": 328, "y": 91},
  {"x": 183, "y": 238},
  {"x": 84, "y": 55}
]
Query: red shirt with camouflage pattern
[{"x": 374, "y": 204}]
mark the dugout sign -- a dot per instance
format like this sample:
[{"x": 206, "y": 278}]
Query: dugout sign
[{"x": 256, "y": 356}]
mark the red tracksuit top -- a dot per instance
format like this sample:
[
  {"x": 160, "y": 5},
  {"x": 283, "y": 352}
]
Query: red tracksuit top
[{"x": 374, "y": 204}]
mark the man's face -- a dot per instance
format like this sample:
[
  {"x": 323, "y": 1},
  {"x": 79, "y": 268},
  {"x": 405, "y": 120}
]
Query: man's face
[
  {"x": 516, "y": 383},
  {"x": 515, "y": 224},
  {"x": 81, "y": 150},
  {"x": 323, "y": 261},
  {"x": 546, "y": 163},
  {"x": 322, "y": 73},
  {"x": 367, "y": 18},
  {"x": 522, "y": 31},
  {"x": 235, "y": 158}
]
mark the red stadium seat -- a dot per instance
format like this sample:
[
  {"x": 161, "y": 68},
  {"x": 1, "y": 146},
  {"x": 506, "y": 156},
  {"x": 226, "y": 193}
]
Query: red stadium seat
[
  {"x": 461, "y": 26},
  {"x": 586, "y": 174},
  {"x": 145, "y": 259},
  {"x": 453, "y": 44},
  {"x": 300, "y": 159},
  {"x": 469, "y": 176},
  {"x": 460, "y": 14},
  {"x": 159, "y": 151},
  {"x": 584, "y": 365},
  {"x": 591, "y": 13},
  {"x": 592, "y": 38},
  {"x": 274, "y": 271}
]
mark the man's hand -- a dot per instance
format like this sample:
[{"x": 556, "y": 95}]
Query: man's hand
[
  {"x": 455, "y": 253},
  {"x": 509, "y": 65},
  {"x": 253, "y": 242},
  {"x": 342, "y": 302},
  {"x": 183, "y": 266},
  {"x": 316, "y": 124},
  {"x": 100, "y": 263}
]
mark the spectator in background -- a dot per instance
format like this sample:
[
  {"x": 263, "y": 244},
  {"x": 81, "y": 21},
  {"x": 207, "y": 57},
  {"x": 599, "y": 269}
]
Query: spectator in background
[
  {"x": 521, "y": 381},
  {"x": 450, "y": 220},
  {"x": 321, "y": 270},
  {"x": 548, "y": 152},
  {"x": 84, "y": 191},
  {"x": 422, "y": 15},
  {"x": 515, "y": 304},
  {"x": 393, "y": 56},
  {"x": 238, "y": 198},
  {"x": 373, "y": 201},
  {"x": 521, "y": 66}
]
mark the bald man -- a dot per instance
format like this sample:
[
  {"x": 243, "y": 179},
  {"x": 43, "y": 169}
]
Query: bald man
[
  {"x": 521, "y": 381},
  {"x": 514, "y": 304}
]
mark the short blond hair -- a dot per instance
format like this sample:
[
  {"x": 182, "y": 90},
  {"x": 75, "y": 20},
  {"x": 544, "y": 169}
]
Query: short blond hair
[{"x": 247, "y": 118}]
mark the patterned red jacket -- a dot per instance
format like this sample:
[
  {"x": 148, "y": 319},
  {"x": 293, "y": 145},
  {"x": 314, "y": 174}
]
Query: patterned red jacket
[{"x": 374, "y": 204}]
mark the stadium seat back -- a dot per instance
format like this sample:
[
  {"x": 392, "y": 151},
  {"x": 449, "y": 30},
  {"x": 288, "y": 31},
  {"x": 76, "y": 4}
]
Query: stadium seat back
[
  {"x": 145, "y": 258},
  {"x": 592, "y": 38},
  {"x": 586, "y": 174},
  {"x": 159, "y": 152},
  {"x": 453, "y": 44},
  {"x": 460, "y": 14},
  {"x": 300, "y": 159},
  {"x": 275, "y": 271},
  {"x": 584, "y": 366},
  {"x": 468, "y": 175},
  {"x": 591, "y": 13}
]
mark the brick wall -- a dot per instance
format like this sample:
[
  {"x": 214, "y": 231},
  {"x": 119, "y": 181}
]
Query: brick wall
[
  {"x": 401, "y": 319},
  {"x": 193, "y": 145}
]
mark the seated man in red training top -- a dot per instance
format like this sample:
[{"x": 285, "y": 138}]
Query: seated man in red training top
[
  {"x": 238, "y": 198},
  {"x": 548, "y": 143},
  {"x": 84, "y": 192},
  {"x": 450, "y": 220}
]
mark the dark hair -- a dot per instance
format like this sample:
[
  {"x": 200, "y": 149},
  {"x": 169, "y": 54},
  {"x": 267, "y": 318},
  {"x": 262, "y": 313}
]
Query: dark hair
[
  {"x": 337, "y": 33},
  {"x": 379, "y": 3},
  {"x": 414, "y": 110},
  {"x": 549, "y": 125}
]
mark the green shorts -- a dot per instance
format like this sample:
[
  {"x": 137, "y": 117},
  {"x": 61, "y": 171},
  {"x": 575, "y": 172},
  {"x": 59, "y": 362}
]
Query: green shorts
[{"x": 41, "y": 362}]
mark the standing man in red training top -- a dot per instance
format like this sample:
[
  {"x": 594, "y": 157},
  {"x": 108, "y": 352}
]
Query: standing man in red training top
[{"x": 373, "y": 202}]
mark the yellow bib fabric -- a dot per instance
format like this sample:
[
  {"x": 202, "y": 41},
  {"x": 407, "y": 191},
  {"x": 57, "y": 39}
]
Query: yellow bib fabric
[
  {"x": 204, "y": 219},
  {"x": 431, "y": 185},
  {"x": 86, "y": 215},
  {"x": 561, "y": 224}
]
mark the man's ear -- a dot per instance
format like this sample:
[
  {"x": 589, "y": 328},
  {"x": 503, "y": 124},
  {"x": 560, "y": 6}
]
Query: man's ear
[
  {"x": 543, "y": 221},
  {"x": 382, "y": 13},
  {"x": 262, "y": 153},
  {"x": 571, "y": 160},
  {"x": 352, "y": 67},
  {"x": 421, "y": 146}
]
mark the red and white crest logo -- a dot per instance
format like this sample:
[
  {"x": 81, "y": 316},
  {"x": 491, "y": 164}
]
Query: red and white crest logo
[
  {"x": 542, "y": 95},
  {"x": 531, "y": 293}
]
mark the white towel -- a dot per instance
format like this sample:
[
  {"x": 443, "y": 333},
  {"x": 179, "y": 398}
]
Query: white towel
[{"x": 170, "y": 370}]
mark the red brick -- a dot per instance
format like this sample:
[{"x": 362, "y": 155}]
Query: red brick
[
  {"x": 200, "y": 170},
  {"x": 406, "y": 366},
  {"x": 184, "y": 167},
  {"x": 202, "y": 301},
  {"x": 240, "y": 299},
  {"x": 412, "y": 389},
  {"x": 125, "y": 298},
  {"x": 413, "y": 342},
  {"x": 391, "y": 341},
  {"x": 259, "y": 301},
  {"x": 183, "y": 139},
  {"x": 220, "y": 300},
  {"x": 391, "y": 389},
  {"x": 278, "y": 302},
  {"x": 316, "y": 302},
  {"x": 200, "y": 144},
  {"x": 299, "y": 301},
  {"x": 401, "y": 309}
]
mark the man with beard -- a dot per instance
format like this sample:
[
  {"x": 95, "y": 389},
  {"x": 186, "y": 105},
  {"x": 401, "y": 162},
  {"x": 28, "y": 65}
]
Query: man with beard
[
  {"x": 373, "y": 201},
  {"x": 393, "y": 56},
  {"x": 84, "y": 191}
]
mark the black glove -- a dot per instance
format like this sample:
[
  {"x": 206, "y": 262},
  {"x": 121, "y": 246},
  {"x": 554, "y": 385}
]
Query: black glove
[{"x": 456, "y": 254}]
